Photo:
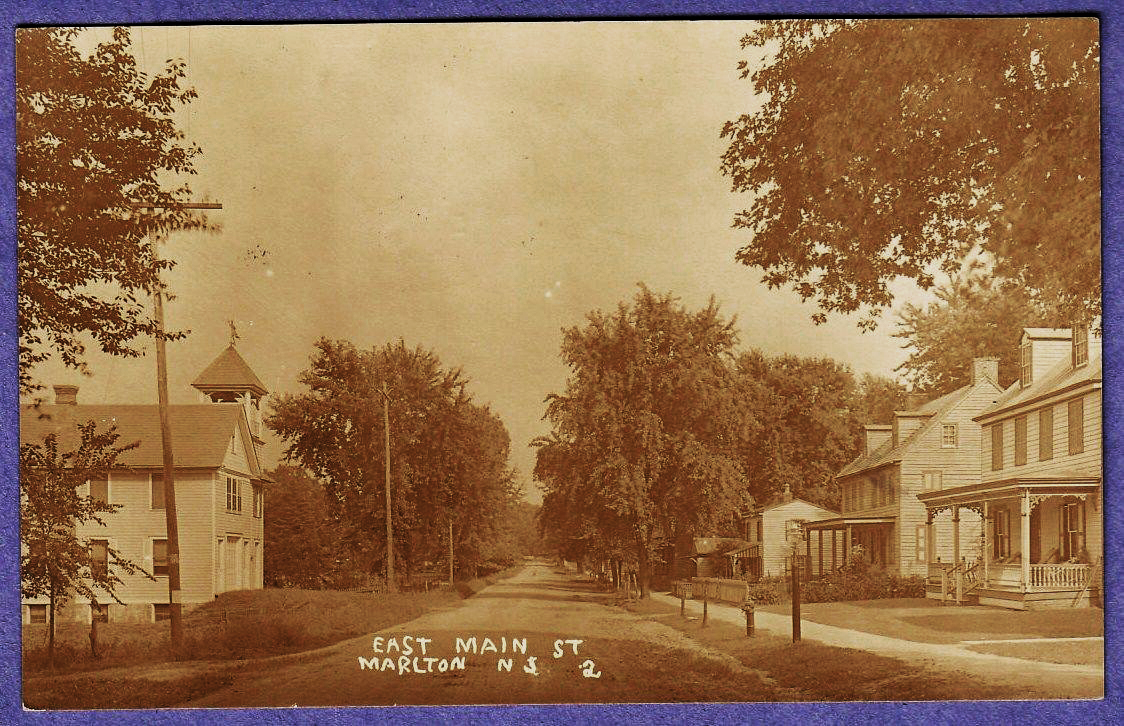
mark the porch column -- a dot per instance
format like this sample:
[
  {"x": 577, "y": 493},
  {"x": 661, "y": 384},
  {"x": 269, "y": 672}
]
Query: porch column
[
  {"x": 956, "y": 551},
  {"x": 986, "y": 542},
  {"x": 930, "y": 540},
  {"x": 847, "y": 544},
  {"x": 834, "y": 546},
  {"x": 1024, "y": 535},
  {"x": 955, "y": 535},
  {"x": 819, "y": 543}
]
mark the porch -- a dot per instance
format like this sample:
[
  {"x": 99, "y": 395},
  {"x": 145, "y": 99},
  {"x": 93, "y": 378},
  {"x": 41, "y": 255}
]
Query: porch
[
  {"x": 1035, "y": 547},
  {"x": 835, "y": 538}
]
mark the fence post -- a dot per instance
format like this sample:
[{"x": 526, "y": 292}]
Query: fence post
[{"x": 795, "y": 600}]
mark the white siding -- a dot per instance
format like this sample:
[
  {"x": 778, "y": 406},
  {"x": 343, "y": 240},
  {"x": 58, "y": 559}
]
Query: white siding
[
  {"x": 775, "y": 547},
  {"x": 1087, "y": 463},
  {"x": 132, "y": 528}
]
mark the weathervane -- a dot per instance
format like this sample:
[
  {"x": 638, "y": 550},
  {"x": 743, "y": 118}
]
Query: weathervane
[{"x": 233, "y": 333}]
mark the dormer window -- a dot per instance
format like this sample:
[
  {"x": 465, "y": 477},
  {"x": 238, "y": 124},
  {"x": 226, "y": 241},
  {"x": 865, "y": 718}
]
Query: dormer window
[
  {"x": 1080, "y": 345},
  {"x": 1025, "y": 364}
]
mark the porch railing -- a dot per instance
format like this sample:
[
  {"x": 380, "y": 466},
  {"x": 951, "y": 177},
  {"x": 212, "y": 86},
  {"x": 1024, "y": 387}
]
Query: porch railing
[{"x": 1059, "y": 576}]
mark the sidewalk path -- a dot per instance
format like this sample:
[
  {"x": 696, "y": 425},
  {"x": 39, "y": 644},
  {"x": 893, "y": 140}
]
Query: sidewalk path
[{"x": 1076, "y": 680}]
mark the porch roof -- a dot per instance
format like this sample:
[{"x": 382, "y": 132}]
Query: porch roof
[
  {"x": 1012, "y": 487},
  {"x": 843, "y": 522}
]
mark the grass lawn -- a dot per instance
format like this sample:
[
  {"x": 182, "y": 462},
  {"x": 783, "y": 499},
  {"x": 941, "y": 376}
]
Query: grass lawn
[
  {"x": 99, "y": 693},
  {"x": 977, "y": 623},
  {"x": 1075, "y": 652},
  {"x": 922, "y": 620},
  {"x": 260, "y": 623},
  {"x": 812, "y": 671}
]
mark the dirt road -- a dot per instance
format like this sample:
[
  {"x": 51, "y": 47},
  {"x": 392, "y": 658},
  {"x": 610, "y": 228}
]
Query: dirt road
[{"x": 564, "y": 645}]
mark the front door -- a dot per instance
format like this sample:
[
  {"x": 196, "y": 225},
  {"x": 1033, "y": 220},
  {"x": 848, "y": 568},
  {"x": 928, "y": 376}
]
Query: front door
[{"x": 232, "y": 569}]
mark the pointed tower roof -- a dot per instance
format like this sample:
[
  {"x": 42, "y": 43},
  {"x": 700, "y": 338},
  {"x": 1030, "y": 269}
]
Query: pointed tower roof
[{"x": 229, "y": 372}]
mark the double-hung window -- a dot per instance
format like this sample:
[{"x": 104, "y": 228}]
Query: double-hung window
[
  {"x": 99, "y": 557},
  {"x": 159, "y": 557},
  {"x": 1072, "y": 529},
  {"x": 233, "y": 495},
  {"x": 156, "y": 496}
]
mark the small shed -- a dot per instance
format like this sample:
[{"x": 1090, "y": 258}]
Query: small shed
[{"x": 771, "y": 532}]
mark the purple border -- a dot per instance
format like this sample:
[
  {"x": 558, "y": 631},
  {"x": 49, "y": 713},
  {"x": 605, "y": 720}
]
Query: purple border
[{"x": 61, "y": 12}]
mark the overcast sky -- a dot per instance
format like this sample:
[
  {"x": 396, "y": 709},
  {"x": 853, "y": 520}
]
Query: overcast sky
[{"x": 473, "y": 188}]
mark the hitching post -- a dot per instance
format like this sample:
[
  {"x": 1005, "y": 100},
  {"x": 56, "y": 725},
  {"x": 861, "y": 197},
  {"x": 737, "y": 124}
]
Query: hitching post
[{"x": 747, "y": 608}]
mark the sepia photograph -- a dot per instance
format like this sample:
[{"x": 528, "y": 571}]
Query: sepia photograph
[{"x": 561, "y": 362}]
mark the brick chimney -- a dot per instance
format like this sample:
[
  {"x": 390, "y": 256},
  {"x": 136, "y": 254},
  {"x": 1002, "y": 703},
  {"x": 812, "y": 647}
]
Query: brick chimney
[
  {"x": 985, "y": 368},
  {"x": 874, "y": 435},
  {"x": 787, "y": 496},
  {"x": 66, "y": 395}
]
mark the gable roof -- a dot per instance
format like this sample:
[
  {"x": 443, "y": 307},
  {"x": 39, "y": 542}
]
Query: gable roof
[
  {"x": 887, "y": 453},
  {"x": 229, "y": 371},
  {"x": 1060, "y": 377},
  {"x": 781, "y": 503},
  {"x": 200, "y": 432},
  {"x": 1047, "y": 333}
]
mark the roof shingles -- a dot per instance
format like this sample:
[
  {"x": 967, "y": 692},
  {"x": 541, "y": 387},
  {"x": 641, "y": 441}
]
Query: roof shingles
[{"x": 200, "y": 433}]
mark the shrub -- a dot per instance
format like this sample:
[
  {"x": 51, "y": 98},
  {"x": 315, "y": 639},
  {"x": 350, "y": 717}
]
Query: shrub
[
  {"x": 859, "y": 583},
  {"x": 768, "y": 591}
]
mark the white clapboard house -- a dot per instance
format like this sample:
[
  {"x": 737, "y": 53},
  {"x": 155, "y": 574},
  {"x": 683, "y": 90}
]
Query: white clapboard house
[{"x": 218, "y": 483}]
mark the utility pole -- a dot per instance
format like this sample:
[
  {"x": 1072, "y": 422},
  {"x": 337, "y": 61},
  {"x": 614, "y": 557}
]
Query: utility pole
[
  {"x": 175, "y": 608},
  {"x": 391, "y": 585},
  {"x": 450, "y": 549}
]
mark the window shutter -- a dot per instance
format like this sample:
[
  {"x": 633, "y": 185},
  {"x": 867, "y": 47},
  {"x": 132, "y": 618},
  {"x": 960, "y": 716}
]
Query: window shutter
[
  {"x": 1076, "y": 426},
  {"x": 1046, "y": 434},
  {"x": 997, "y": 446}
]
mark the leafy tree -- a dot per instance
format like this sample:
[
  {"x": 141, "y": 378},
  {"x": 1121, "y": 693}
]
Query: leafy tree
[
  {"x": 93, "y": 135},
  {"x": 644, "y": 436},
  {"x": 303, "y": 541},
  {"x": 54, "y": 560},
  {"x": 448, "y": 455},
  {"x": 971, "y": 318},
  {"x": 811, "y": 412},
  {"x": 897, "y": 148}
]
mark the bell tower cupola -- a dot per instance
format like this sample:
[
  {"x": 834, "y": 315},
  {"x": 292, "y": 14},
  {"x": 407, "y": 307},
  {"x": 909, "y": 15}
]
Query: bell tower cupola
[{"x": 229, "y": 379}]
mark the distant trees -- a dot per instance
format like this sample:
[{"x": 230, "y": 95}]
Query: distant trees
[
  {"x": 664, "y": 430},
  {"x": 898, "y": 148},
  {"x": 644, "y": 437},
  {"x": 303, "y": 541},
  {"x": 972, "y": 317},
  {"x": 810, "y": 413},
  {"x": 449, "y": 455},
  {"x": 93, "y": 135},
  {"x": 54, "y": 561}
]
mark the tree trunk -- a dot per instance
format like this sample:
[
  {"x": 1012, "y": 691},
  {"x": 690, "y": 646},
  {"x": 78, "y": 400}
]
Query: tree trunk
[
  {"x": 51, "y": 629},
  {"x": 616, "y": 567},
  {"x": 93, "y": 634},
  {"x": 644, "y": 571}
]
